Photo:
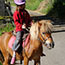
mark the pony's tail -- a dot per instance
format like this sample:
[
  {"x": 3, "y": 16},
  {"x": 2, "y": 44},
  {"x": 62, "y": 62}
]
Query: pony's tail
[{"x": 1, "y": 57}]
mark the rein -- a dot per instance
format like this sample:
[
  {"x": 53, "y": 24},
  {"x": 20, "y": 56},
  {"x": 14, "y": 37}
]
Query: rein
[
  {"x": 43, "y": 38},
  {"x": 40, "y": 39}
]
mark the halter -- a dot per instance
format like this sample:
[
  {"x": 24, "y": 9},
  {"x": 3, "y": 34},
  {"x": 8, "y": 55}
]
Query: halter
[{"x": 43, "y": 38}]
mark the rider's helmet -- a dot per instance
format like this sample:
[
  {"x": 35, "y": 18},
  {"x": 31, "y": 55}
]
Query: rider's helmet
[{"x": 19, "y": 2}]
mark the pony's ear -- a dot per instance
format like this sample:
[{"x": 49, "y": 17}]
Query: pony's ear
[{"x": 39, "y": 24}]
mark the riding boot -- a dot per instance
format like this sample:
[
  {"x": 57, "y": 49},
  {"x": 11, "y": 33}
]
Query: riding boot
[{"x": 13, "y": 58}]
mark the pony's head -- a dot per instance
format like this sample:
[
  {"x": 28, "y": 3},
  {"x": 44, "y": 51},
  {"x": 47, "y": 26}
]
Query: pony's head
[{"x": 42, "y": 31}]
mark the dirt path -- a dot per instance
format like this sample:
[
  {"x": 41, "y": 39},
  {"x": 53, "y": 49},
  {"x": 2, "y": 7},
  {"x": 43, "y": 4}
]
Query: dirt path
[{"x": 55, "y": 56}]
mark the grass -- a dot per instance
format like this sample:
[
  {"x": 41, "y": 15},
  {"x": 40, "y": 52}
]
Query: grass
[
  {"x": 33, "y": 5},
  {"x": 7, "y": 28},
  {"x": 0, "y": 63},
  {"x": 46, "y": 9},
  {"x": 30, "y": 4},
  {"x": 11, "y": 2}
]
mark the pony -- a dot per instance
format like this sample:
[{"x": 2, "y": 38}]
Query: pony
[{"x": 40, "y": 34}]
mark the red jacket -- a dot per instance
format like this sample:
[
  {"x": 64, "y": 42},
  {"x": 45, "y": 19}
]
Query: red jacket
[{"x": 20, "y": 18}]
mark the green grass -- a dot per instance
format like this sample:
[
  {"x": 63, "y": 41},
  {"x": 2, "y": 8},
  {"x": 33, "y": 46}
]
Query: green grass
[
  {"x": 46, "y": 9},
  {"x": 0, "y": 63},
  {"x": 7, "y": 28},
  {"x": 33, "y": 5},
  {"x": 63, "y": 3},
  {"x": 30, "y": 4}
]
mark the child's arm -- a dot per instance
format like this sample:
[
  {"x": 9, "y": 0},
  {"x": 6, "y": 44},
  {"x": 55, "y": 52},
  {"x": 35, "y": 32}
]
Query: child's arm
[{"x": 16, "y": 21}]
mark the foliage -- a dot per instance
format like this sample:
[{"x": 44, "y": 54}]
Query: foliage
[
  {"x": 0, "y": 63},
  {"x": 7, "y": 28},
  {"x": 32, "y": 4},
  {"x": 5, "y": 17},
  {"x": 11, "y": 2},
  {"x": 58, "y": 9},
  {"x": 47, "y": 8}
]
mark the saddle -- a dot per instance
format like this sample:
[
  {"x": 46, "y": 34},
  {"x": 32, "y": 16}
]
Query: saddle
[{"x": 26, "y": 38}]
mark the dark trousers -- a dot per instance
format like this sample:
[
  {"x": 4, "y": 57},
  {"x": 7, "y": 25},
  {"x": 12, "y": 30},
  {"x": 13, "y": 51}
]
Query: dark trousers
[{"x": 18, "y": 42}]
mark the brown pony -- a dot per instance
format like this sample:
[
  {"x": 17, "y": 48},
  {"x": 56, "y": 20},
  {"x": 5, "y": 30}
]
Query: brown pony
[{"x": 40, "y": 34}]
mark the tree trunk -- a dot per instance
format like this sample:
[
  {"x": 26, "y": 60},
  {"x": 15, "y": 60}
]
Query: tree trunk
[{"x": 2, "y": 7}]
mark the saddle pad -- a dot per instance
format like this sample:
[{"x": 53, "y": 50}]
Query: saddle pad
[{"x": 13, "y": 38}]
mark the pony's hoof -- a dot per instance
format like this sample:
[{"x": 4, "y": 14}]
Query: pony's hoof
[{"x": 43, "y": 54}]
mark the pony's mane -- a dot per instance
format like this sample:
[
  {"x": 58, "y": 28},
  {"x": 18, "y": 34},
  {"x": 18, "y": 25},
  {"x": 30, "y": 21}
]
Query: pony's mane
[
  {"x": 41, "y": 26},
  {"x": 34, "y": 31}
]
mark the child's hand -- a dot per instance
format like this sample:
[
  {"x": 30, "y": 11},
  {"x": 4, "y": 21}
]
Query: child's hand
[
  {"x": 24, "y": 26},
  {"x": 32, "y": 22}
]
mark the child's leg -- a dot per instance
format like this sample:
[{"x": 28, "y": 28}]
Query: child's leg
[
  {"x": 16, "y": 45},
  {"x": 13, "y": 58}
]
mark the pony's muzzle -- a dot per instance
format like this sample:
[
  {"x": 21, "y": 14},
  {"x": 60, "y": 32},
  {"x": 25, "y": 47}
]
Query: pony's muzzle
[
  {"x": 49, "y": 45},
  {"x": 53, "y": 45}
]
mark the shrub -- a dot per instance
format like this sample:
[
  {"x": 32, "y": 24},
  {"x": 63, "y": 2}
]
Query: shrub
[
  {"x": 32, "y": 4},
  {"x": 7, "y": 28},
  {"x": 0, "y": 63}
]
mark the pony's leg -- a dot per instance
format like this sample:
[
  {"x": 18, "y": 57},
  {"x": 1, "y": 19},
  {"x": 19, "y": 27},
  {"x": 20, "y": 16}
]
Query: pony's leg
[
  {"x": 37, "y": 62},
  {"x": 26, "y": 61},
  {"x": 5, "y": 60},
  {"x": 20, "y": 61},
  {"x": 1, "y": 57},
  {"x": 6, "y": 56}
]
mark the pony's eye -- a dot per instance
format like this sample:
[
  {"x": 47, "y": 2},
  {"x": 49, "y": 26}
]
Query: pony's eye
[{"x": 43, "y": 33}]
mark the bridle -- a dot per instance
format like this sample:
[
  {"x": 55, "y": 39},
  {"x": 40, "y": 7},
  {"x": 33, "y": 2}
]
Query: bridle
[{"x": 43, "y": 38}]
